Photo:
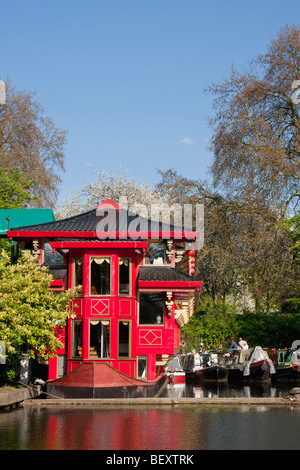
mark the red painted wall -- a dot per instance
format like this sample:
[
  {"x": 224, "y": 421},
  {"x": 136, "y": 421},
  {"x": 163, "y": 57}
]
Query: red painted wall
[{"x": 151, "y": 341}]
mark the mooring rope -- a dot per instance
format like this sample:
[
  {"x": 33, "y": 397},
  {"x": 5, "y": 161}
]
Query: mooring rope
[{"x": 161, "y": 389}]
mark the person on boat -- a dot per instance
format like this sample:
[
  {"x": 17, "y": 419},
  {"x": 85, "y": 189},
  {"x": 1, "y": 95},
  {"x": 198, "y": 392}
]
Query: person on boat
[
  {"x": 243, "y": 344},
  {"x": 233, "y": 346}
]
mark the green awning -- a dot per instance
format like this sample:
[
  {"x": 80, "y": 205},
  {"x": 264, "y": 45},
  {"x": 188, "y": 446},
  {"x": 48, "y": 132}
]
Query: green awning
[{"x": 10, "y": 218}]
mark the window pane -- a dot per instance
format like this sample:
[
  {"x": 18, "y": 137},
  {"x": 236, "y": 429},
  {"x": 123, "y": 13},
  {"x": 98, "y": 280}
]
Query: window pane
[
  {"x": 151, "y": 308},
  {"x": 52, "y": 258},
  {"x": 99, "y": 339},
  {"x": 61, "y": 365},
  {"x": 156, "y": 254},
  {"x": 77, "y": 338},
  {"x": 124, "y": 275},
  {"x": 78, "y": 271},
  {"x": 142, "y": 366},
  {"x": 123, "y": 339},
  {"x": 100, "y": 276}
]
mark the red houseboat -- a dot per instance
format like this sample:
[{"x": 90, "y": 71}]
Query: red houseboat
[{"x": 133, "y": 300}]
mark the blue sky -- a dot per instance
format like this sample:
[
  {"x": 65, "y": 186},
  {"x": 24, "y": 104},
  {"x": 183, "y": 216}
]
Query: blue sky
[{"x": 125, "y": 78}]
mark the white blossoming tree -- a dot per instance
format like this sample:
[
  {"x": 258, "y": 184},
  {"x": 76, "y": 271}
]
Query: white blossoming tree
[{"x": 112, "y": 186}]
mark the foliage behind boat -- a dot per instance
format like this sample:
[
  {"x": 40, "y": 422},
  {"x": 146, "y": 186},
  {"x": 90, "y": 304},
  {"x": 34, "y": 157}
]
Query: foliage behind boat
[{"x": 215, "y": 328}]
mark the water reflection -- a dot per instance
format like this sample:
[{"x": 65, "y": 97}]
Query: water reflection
[
  {"x": 173, "y": 427},
  {"x": 224, "y": 389}
]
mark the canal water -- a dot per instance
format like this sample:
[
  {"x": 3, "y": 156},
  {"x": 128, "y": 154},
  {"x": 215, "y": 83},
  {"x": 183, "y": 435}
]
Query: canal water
[{"x": 162, "y": 428}]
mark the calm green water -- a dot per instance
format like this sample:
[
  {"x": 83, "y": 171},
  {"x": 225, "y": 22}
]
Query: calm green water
[
  {"x": 151, "y": 428},
  {"x": 165, "y": 428}
]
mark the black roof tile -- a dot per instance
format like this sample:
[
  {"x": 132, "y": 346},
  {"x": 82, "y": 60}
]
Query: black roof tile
[
  {"x": 163, "y": 273},
  {"x": 88, "y": 222}
]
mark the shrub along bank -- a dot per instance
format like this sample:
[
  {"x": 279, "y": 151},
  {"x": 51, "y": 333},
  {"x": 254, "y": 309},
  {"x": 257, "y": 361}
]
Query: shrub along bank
[{"x": 218, "y": 325}]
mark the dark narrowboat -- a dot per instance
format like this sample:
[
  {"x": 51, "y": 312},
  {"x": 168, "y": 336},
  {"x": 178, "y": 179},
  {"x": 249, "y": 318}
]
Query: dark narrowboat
[
  {"x": 204, "y": 367},
  {"x": 251, "y": 364},
  {"x": 287, "y": 364}
]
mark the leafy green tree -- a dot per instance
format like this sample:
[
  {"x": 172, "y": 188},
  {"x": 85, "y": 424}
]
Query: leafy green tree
[
  {"x": 216, "y": 324},
  {"x": 213, "y": 325},
  {"x": 29, "y": 311},
  {"x": 15, "y": 189},
  {"x": 293, "y": 227},
  {"x": 269, "y": 331}
]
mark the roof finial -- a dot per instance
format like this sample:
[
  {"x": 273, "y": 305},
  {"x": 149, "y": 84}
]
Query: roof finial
[{"x": 109, "y": 204}]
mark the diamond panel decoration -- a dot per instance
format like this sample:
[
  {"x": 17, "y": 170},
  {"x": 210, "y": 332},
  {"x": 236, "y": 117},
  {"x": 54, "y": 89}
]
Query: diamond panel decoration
[
  {"x": 150, "y": 337},
  {"x": 100, "y": 307}
]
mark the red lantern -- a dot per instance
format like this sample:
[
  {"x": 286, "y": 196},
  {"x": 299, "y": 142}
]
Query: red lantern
[
  {"x": 191, "y": 252},
  {"x": 191, "y": 262}
]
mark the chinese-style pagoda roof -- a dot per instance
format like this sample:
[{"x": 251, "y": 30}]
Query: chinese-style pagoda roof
[
  {"x": 151, "y": 276},
  {"x": 105, "y": 221}
]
